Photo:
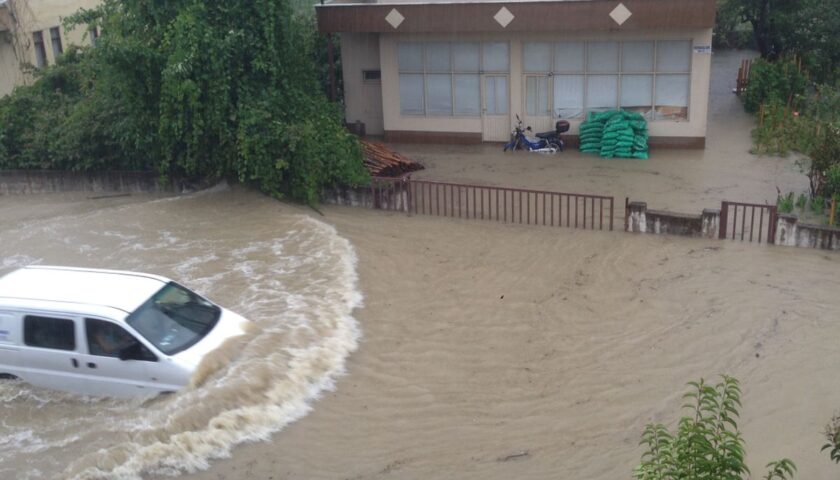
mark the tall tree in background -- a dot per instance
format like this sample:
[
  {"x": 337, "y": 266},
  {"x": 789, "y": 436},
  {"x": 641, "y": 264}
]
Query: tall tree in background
[
  {"x": 808, "y": 28},
  {"x": 188, "y": 87}
]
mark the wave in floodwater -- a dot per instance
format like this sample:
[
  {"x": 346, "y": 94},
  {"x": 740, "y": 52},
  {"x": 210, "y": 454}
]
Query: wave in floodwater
[{"x": 292, "y": 276}]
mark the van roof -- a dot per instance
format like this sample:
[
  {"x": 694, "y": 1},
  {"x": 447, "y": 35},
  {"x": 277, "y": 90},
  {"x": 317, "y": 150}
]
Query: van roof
[{"x": 81, "y": 286}]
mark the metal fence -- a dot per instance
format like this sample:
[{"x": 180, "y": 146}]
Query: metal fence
[
  {"x": 747, "y": 222},
  {"x": 500, "y": 204}
]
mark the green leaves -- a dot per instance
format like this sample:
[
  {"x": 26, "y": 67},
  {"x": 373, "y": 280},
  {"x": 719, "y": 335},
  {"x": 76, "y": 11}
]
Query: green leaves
[
  {"x": 189, "y": 88},
  {"x": 707, "y": 443},
  {"x": 832, "y": 434}
]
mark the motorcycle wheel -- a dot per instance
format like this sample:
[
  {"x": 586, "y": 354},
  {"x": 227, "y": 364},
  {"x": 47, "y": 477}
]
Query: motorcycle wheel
[{"x": 557, "y": 146}]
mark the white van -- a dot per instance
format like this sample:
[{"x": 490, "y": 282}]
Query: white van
[{"x": 106, "y": 332}]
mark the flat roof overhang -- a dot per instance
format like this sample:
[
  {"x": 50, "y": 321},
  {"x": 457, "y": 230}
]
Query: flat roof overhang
[{"x": 529, "y": 16}]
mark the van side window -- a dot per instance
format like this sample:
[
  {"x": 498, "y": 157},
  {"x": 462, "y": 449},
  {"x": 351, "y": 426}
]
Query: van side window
[
  {"x": 108, "y": 340},
  {"x": 46, "y": 332}
]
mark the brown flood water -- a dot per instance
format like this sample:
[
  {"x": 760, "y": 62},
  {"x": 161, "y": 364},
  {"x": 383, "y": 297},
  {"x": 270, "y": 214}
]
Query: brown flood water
[
  {"x": 680, "y": 180},
  {"x": 488, "y": 351},
  {"x": 292, "y": 276}
]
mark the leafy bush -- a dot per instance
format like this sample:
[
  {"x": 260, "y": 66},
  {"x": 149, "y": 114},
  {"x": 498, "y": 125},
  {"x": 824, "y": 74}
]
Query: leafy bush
[
  {"x": 707, "y": 443},
  {"x": 188, "y": 88},
  {"x": 824, "y": 157},
  {"x": 801, "y": 201},
  {"x": 832, "y": 434},
  {"x": 773, "y": 82},
  {"x": 784, "y": 203},
  {"x": 832, "y": 180}
]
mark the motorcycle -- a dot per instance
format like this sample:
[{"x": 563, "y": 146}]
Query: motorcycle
[{"x": 545, "y": 142}]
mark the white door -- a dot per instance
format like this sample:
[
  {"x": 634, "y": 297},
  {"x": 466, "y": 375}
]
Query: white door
[
  {"x": 495, "y": 116},
  {"x": 106, "y": 373},
  {"x": 51, "y": 356}
]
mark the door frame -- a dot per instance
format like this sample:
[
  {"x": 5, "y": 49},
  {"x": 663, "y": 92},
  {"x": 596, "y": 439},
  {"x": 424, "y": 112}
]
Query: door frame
[{"x": 486, "y": 132}]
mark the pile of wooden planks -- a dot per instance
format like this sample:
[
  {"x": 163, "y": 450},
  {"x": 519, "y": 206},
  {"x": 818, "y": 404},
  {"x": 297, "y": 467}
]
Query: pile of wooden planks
[{"x": 381, "y": 161}]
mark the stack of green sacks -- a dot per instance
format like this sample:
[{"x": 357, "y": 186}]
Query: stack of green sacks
[{"x": 615, "y": 133}]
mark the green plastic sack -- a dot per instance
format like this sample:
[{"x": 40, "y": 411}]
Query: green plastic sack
[{"x": 641, "y": 155}]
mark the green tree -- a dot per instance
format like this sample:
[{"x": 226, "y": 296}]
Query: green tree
[
  {"x": 707, "y": 443},
  {"x": 805, "y": 27},
  {"x": 190, "y": 88}
]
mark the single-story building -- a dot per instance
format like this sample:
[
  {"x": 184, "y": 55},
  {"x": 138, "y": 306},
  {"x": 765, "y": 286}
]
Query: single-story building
[{"x": 461, "y": 71}]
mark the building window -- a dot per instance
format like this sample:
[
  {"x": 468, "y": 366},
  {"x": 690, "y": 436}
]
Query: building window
[
  {"x": 94, "y": 34},
  {"x": 442, "y": 79},
  {"x": 648, "y": 77},
  {"x": 372, "y": 76},
  {"x": 55, "y": 37},
  {"x": 40, "y": 49}
]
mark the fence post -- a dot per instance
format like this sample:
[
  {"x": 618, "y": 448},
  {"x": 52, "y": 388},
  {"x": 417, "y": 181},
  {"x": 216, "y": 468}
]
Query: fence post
[
  {"x": 409, "y": 199},
  {"x": 724, "y": 220},
  {"x": 611, "y": 213},
  {"x": 771, "y": 232},
  {"x": 626, "y": 213}
]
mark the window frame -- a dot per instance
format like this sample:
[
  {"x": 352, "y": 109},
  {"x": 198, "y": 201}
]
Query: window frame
[
  {"x": 554, "y": 71},
  {"x": 41, "y": 61},
  {"x": 452, "y": 72},
  {"x": 154, "y": 357},
  {"x": 27, "y": 339},
  {"x": 55, "y": 41}
]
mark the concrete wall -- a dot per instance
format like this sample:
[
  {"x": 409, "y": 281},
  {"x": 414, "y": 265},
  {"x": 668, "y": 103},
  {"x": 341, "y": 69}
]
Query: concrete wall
[
  {"x": 29, "y": 182},
  {"x": 791, "y": 233},
  {"x": 35, "y": 15},
  {"x": 693, "y": 128},
  {"x": 363, "y": 100},
  {"x": 659, "y": 222}
]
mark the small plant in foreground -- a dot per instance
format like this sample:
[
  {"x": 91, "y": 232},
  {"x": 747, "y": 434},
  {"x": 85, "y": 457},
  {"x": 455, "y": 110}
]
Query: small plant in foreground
[
  {"x": 707, "y": 443},
  {"x": 832, "y": 434},
  {"x": 801, "y": 201},
  {"x": 818, "y": 204},
  {"x": 780, "y": 470},
  {"x": 785, "y": 203}
]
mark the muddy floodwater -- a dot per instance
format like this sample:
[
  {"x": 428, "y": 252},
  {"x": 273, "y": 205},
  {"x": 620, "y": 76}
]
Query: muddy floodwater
[
  {"x": 292, "y": 276},
  {"x": 483, "y": 350}
]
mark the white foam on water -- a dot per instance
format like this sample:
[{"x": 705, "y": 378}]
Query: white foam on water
[
  {"x": 295, "y": 361},
  {"x": 299, "y": 287}
]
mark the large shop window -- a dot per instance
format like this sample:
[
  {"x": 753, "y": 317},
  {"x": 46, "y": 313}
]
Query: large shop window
[
  {"x": 443, "y": 79},
  {"x": 569, "y": 79}
]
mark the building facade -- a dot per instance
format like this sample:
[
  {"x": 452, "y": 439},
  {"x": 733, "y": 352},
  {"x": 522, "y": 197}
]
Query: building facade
[
  {"x": 463, "y": 71},
  {"x": 31, "y": 33}
]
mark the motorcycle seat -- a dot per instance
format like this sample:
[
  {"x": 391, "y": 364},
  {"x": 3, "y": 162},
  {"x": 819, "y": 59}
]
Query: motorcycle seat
[{"x": 547, "y": 135}]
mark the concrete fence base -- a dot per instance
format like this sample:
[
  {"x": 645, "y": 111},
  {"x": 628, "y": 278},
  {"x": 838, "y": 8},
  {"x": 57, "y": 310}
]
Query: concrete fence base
[
  {"x": 791, "y": 233},
  {"x": 660, "y": 222},
  {"x": 383, "y": 199},
  {"x": 30, "y": 182}
]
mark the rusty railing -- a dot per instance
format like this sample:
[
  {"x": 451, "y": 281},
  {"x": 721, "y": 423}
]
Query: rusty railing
[
  {"x": 743, "y": 76},
  {"x": 756, "y": 221},
  {"x": 510, "y": 205}
]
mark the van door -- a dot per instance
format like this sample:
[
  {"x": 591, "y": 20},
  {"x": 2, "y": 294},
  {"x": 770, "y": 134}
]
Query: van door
[
  {"x": 106, "y": 373},
  {"x": 49, "y": 356},
  {"x": 9, "y": 344}
]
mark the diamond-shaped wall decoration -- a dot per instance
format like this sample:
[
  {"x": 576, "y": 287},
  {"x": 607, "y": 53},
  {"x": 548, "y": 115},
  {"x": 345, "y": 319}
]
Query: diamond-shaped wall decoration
[
  {"x": 503, "y": 16},
  {"x": 394, "y": 18},
  {"x": 620, "y": 14}
]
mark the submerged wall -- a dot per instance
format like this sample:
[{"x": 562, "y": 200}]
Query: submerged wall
[
  {"x": 28, "y": 182},
  {"x": 790, "y": 232}
]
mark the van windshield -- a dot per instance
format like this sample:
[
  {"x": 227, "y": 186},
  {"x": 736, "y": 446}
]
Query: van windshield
[{"x": 174, "y": 319}]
